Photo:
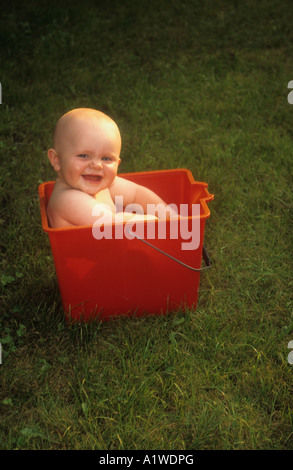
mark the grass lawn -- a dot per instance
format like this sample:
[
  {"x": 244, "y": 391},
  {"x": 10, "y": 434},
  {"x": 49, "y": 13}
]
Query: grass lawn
[{"x": 197, "y": 85}]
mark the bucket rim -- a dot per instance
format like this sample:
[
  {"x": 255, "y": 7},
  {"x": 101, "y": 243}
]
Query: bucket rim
[{"x": 203, "y": 200}]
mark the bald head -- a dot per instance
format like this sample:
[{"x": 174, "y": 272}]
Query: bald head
[{"x": 69, "y": 121}]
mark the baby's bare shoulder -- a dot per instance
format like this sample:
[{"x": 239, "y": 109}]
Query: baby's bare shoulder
[
  {"x": 70, "y": 207},
  {"x": 67, "y": 196}
]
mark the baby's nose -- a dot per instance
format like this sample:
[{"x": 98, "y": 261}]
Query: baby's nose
[{"x": 96, "y": 163}]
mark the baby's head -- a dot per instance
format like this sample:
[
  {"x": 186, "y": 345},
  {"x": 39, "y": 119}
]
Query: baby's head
[{"x": 86, "y": 153}]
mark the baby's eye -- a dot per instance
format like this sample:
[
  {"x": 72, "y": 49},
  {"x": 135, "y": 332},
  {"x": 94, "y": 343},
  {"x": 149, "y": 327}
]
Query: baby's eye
[
  {"x": 106, "y": 159},
  {"x": 82, "y": 155}
]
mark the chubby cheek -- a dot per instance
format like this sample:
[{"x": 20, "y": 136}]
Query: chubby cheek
[
  {"x": 74, "y": 171},
  {"x": 111, "y": 172}
]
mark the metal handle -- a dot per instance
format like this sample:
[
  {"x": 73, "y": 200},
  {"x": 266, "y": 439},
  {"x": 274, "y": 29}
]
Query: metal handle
[{"x": 205, "y": 255}]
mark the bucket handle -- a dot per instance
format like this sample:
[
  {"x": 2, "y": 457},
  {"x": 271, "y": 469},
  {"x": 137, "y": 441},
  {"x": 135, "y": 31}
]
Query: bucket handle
[{"x": 205, "y": 254}]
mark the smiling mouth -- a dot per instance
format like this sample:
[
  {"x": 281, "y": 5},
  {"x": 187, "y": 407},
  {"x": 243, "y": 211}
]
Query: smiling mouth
[{"x": 92, "y": 178}]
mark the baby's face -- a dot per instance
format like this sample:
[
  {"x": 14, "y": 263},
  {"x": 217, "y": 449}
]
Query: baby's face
[{"x": 88, "y": 154}]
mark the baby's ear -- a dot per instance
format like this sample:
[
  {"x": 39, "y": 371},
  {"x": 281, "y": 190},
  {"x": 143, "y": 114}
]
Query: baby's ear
[{"x": 54, "y": 159}]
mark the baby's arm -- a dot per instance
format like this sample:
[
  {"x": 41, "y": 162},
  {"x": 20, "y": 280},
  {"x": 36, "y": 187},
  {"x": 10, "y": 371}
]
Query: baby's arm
[
  {"x": 134, "y": 193},
  {"x": 71, "y": 207}
]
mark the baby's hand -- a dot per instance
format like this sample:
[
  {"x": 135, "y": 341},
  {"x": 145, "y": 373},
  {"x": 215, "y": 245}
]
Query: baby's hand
[
  {"x": 125, "y": 216},
  {"x": 138, "y": 217}
]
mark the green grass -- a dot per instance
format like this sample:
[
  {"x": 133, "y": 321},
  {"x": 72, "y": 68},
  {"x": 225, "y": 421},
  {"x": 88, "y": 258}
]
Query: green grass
[{"x": 198, "y": 85}]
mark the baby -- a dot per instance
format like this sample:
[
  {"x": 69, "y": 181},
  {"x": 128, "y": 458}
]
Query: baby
[{"x": 86, "y": 156}]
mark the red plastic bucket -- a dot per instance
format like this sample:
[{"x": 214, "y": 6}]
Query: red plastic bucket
[{"x": 131, "y": 275}]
